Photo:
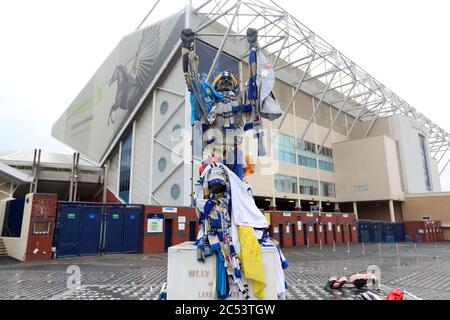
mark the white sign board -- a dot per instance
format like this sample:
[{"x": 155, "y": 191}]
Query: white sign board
[
  {"x": 330, "y": 226},
  {"x": 169, "y": 210},
  {"x": 154, "y": 225},
  {"x": 181, "y": 226},
  {"x": 181, "y": 219},
  {"x": 309, "y": 214},
  {"x": 329, "y": 215},
  {"x": 287, "y": 228},
  {"x": 299, "y": 225},
  {"x": 338, "y": 229},
  {"x": 276, "y": 230},
  {"x": 310, "y": 228},
  {"x": 320, "y": 228},
  {"x": 286, "y": 214},
  {"x": 345, "y": 215}
]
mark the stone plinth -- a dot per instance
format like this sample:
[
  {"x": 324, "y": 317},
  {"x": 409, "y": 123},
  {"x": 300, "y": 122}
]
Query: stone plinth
[{"x": 188, "y": 279}]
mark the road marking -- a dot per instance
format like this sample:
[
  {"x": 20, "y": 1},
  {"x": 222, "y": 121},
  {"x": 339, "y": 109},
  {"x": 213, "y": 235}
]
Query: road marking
[
  {"x": 299, "y": 254},
  {"x": 313, "y": 253}
]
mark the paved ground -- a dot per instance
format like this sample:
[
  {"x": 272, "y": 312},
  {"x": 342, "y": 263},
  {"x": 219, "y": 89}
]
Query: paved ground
[{"x": 423, "y": 271}]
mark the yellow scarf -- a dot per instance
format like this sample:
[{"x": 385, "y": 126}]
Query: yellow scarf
[{"x": 251, "y": 258}]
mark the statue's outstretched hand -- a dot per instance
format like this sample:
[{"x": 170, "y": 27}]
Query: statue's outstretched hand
[
  {"x": 252, "y": 36},
  {"x": 187, "y": 38}
]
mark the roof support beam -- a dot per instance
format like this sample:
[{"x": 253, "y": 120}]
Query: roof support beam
[
  {"x": 445, "y": 167},
  {"x": 335, "y": 120},
  {"x": 443, "y": 154},
  {"x": 224, "y": 40},
  {"x": 355, "y": 121},
  {"x": 317, "y": 107},
  {"x": 288, "y": 108},
  {"x": 372, "y": 123}
]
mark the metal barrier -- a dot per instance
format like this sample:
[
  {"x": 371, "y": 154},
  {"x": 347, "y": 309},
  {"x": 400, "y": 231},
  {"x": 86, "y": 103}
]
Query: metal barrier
[{"x": 92, "y": 228}]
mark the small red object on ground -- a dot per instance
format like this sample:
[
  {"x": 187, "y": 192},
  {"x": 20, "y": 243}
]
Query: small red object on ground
[{"x": 395, "y": 294}]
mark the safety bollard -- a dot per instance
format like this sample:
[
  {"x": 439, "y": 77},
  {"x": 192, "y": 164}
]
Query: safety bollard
[
  {"x": 307, "y": 242},
  {"x": 396, "y": 247},
  {"x": 320, "y": 242},
  {"x": 415, "y": 249},
  {"x": 334, "y": 246},
  {"x": 435, "y": 252},
  {"x": 363, "y": 249},
  {"x": 379, "y": 248},
  {"x": 348, "y": 247}
]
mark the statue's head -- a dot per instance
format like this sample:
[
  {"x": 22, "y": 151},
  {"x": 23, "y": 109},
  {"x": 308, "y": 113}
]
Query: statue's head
[{"x": 226, "y": 81}]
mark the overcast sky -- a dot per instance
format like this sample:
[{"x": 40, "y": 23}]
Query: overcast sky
[{"x": 50, "y": 49}]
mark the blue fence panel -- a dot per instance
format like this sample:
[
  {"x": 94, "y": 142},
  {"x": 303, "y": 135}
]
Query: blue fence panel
[
  {"x": 114, "y": 230},
  {"x": 68, "y": 231},
  {"x": 399, "y": 232},
  {"x": 132, "y": 230},
  {"x": 388, "y": 231},
  {"x": 91, "y": 228},
  {"x": 364, "y": 231},
  {"x": 91, "y": 217},
  {"x": 376, "y": 231}
]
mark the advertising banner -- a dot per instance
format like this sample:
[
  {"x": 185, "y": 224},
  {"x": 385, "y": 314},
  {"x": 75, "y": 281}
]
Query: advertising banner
[{"x": 100, "y": 110}]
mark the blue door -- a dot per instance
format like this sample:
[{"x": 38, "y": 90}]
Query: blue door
[
  {"x": 388, "y": 232},
  {"x": 399, "y": 232},
  {"x": 90, "y": 230},
  {"x": 376, "y": 231},
  {"x": 12, "y": 226},
  {"x": 132, "y": 230},
  {"x": 364, "y": 231},
  {"x": 114, "y": 230},
  {"x": 68, "y": 234}
]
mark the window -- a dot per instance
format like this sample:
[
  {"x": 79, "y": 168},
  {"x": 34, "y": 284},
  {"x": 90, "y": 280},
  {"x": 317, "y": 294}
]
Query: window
[
  {"x": 207, "y": 55},
  {"x": 164, "y": 107},
  {"x": 288, "y": 184},
  {"x": 175, "y": 191},
  {"x": 309, "y": 187},
  {"x": 162, "y": 164},
  {"x": 364, "y": 188},
  {"x": 284, "y": 150},
  {"x": 285, "y": 184},
  {"x": 425, "y": 165},
  {"x": 328, "y": 189},
  {"x": 327, "y": 166},
  {"x": 125, "y": 167},
  {"x": 176, "y": 127}
]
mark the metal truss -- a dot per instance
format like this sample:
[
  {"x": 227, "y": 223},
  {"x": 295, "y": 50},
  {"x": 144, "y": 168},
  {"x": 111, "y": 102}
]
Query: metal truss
[{"x": 318, "y": 68}]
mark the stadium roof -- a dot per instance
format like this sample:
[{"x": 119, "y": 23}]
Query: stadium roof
[
  {"x": 48, "y": 159},
  {"x": 297, "y": 49},
  {"x": 13, "y": 174},
  {"x": 299, "y": 56}
]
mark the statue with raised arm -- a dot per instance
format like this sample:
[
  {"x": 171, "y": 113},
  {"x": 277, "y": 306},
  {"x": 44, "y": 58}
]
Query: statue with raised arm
[{"x": 232, "y": 228}]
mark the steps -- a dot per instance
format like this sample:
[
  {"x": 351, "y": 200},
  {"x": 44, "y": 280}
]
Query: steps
[{"x": 3, "y": 252}]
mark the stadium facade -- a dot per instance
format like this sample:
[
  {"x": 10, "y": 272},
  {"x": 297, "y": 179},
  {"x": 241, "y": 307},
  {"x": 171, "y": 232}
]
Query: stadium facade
[{"x": 345, "y": 141}]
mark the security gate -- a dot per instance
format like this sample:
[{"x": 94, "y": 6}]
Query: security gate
[
  {"x": 123, "y": 230},
  {"x": 363, "y": 231},
  {"x": 132, "y": 230},
  {"x": 89, "y": 229},
  {"x": 68, "y": 231}
]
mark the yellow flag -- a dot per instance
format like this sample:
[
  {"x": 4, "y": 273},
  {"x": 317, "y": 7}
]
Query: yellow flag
[{"x": 251, "y": 258}]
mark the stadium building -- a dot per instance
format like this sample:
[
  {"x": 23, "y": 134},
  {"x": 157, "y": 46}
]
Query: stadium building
[{"x": 345, "y": 142}]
